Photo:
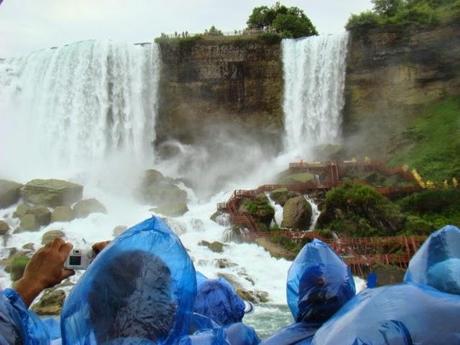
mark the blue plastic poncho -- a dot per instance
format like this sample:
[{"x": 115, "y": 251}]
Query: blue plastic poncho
[
  {"x": 437, "y": 262},
  {"x": 218, "y": 300},
  {"x": 234, "y": 334},
  {"x": 18, "y": 325},
  {"x": 139, "y": 290},
  {"x": 411, "y": 313},
  {"x": 319, "y": 284}
]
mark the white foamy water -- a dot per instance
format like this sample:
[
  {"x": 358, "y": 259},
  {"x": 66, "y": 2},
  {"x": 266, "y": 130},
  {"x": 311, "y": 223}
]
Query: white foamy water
[
  {"x": 314, "y": 80},
  {"x": 74, "y": 106}
]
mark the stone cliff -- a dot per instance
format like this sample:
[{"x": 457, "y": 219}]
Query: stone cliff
[
  {"x": 392, "y": 74},
  {"x": 208, "y": 82}
]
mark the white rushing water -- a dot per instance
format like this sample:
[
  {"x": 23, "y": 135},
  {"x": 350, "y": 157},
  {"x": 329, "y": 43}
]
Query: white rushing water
[{"x": 314, "y": 80}]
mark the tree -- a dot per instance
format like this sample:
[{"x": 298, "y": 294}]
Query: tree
[
  {"x": 287, "y": 21},
  {"x": 387, "y": 7},
  {"x": 213, "y": 31}
]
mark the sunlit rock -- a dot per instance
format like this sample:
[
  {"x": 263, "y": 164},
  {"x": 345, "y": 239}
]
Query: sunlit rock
[{"x": 52, "y": 192}]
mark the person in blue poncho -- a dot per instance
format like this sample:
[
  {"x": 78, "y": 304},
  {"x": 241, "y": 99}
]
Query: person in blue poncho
[
  {"x": 139, "y": 290},
  {"x": 319, "y": 284},
  {"x": 218, "y": 315},
  {"x": 424, "y": 310},
  {"x": 18, "y": 325}
]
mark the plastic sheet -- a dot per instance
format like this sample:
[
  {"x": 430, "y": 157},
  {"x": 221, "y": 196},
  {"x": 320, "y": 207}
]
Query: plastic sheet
[
  {"x": 300, "y": 333},
  {"x": 393, "y": 315},
  {"x": 319, "y": 283},
  {"x": 417, "y": 312},
  {"x": 437, "y": 262},
  {"x": 18, "y": 325},
  {"x": 139, "y": 290},
  {"x": 218, "y": 300},
  {"x": 235, "y": 334}
]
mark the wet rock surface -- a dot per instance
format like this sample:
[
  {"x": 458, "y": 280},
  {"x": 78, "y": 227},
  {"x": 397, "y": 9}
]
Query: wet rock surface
[
  {"x": 84, "y": 208},
  {"x": 52, "y": 192},
  {"x": 9, "y": 193},
  {"x": 297, "y": 214}
]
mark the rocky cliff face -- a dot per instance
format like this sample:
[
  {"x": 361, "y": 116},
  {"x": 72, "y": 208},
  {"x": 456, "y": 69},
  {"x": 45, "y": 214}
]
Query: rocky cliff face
[
  {"x": 208, "y": 83},
  {"x": 392, "y": 73}
]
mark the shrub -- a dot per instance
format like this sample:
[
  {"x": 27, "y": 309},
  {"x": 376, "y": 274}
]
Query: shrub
[{"x": 362, "y": 20}]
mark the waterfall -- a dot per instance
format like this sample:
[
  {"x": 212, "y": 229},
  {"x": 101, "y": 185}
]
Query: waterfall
[
  {"x": 74, "y": 106},
  {"x": 314, "y": 80}
]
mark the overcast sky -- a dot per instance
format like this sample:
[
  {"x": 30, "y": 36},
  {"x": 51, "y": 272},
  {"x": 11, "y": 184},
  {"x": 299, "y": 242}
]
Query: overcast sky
[{"x": 27, "y": 25}]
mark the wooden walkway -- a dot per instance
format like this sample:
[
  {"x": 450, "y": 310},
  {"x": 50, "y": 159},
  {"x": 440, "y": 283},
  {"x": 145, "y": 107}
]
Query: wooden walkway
[{"x": 359, "y": 253}]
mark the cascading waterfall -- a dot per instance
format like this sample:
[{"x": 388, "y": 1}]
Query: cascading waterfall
[
  {"x": 314, "y": 80},
  {"x": 74, "y": 106}
]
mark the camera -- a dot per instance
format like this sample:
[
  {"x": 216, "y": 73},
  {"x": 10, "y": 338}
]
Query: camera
[{"x": 79, "y": 259}]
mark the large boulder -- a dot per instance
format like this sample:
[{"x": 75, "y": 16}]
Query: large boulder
[
  {"x": 259, "y": 209},
  {"x": 51, "y": 235},
  {"x": 4, "y": 227},
  {"x": 62, "y": 214},
  {"x": 84, "y": 208},
  {"x": 21, "y": 210},
  {"x": 9, "y": 193},
  {"x": 51, "y": 302},
  {"x": 297, "y": 214},
  {"x": 52, "y": 193},
  {"x": 281, "y": 195},
  {"x": 216, "y": 247},
  {"x": 34, "y": 217},
  {"x": 161, "y": 192}
]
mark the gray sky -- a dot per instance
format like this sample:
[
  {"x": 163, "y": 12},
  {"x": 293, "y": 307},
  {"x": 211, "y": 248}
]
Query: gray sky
[{"x": 27, "y": 25}]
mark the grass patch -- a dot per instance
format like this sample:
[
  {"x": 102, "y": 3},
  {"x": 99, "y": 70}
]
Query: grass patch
[{"x": 433, "y": 142}]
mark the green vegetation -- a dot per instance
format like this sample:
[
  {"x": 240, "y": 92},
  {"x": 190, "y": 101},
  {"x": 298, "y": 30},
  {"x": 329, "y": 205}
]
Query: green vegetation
[
  {"x": 433, "y": 142},
  {"x": 435, "y": 207},
  {"x": 359, "y": 210},
  {"x": 289, "y": 22},
  {"x": 213, "y": 31},
  {"x": 405, "y": 12}
]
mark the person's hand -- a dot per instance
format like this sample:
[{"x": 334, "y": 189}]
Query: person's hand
[
  {"x": 45, "y": 269},
  {"x": 99, "y": 246}
]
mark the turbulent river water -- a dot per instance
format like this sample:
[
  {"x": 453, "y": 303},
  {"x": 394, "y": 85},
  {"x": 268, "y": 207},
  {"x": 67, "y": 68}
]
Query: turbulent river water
[{"x": 86, "y": 112}]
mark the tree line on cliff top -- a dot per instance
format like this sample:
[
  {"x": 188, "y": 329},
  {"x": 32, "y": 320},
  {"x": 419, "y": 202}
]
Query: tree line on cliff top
[{"x": 405, "y": 12}]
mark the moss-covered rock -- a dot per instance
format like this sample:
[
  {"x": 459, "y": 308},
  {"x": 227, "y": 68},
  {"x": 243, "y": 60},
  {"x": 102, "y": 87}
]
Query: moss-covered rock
[
  {"x": 297, "y": 214},
  {"x": 288, "y": 177},
  {"x": 28, "y": 223},
  {"x": 84, "y": 208},
  {"x": 161, "y": 192},
  {"x": 16, "y": 266},
  {"x": 359, "y": 210},
  {"x": 34, "y": 217},
  {"x": 388, "y": 274},
  {"x": 216, "y": 247},
  {"x": 9, "y": 193},
  {"x": 281, "y": 195},
  {"x": 21, "y": 210},
  {"x": 49, "y": 236},
  {"x": 259, "y": 209},
  {"x": 51, "y": 302},
  {"x": 4, "y": 227},
  {"x": 62, "y": 214},
  {"x": 51, "y": 193}
]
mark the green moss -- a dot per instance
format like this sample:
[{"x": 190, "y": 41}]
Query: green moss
[
  {"x": 287, "y": 177},
  {"x": 359, "y": 210},
  {"x": 434, "y": 207},
  {"x": 433, "y": 142}
]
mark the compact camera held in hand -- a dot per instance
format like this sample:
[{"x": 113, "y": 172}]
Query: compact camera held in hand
[{"x": 79, "y": 259}]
